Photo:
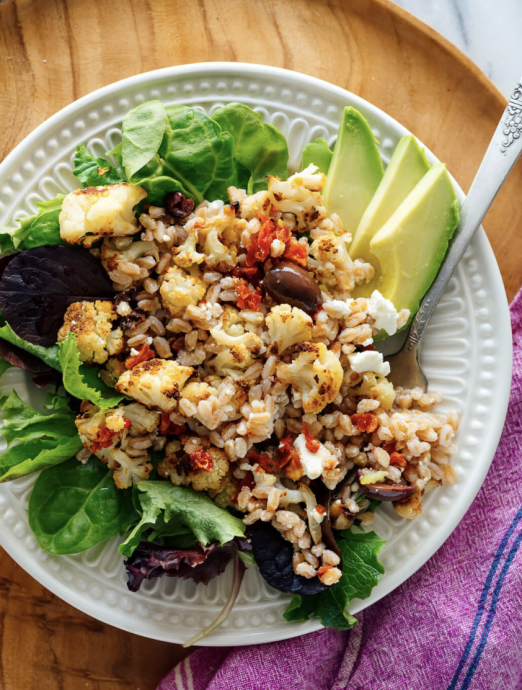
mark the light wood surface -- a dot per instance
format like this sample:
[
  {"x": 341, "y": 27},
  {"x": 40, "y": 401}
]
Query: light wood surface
[{"x": 54, "y": 51}]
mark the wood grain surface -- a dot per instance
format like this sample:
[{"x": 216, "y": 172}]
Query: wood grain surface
[{"x": 54, "y": 51}]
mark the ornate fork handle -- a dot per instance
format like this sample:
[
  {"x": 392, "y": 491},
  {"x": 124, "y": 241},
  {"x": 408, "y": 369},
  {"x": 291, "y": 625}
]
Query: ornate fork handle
[{"x": 501, "y": 156}]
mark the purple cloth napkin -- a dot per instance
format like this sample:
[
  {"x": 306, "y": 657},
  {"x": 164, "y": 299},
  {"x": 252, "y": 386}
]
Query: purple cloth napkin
[{"x": 455, "y": 624}]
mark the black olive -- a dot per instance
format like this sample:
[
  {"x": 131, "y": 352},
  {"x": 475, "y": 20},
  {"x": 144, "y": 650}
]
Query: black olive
[
  {"x": 290, "y": 284},
  {"x": 177, "y": 205},
  {"x": 387, "y": 492}
]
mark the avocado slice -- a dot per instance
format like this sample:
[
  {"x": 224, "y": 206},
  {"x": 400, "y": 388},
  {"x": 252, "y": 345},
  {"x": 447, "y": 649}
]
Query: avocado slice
[
  {"x": 317, "y": 153},
  {"x": 412, "y": 244},
  {"x": 355, "y": 170},
  {"x": 407, "y": 167}
]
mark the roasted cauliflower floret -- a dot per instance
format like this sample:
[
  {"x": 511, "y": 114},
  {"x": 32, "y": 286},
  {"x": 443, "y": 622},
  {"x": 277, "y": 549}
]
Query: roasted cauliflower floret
[
  {"x": 287, "y": 326},
  {"x": 226, "y": 495},
  {"x": 206, "y": 469},
  {"x": 112, "y": 257},
  {"x": 179, "y": 289},
  {"x": 94, "y": 212},
  {"x": 220, "y": 236},
  {"x": 187, "y": 255},
  {"x": 91, "y": 323},
  {"x": 104, "y": 432},
  {"x": 156, "y": 383},
  {"x": 232, "y": 362},
  {"x": 332, "y": 249},
  {"x": 250, "y": 340},
  {"x": 316, "y": 373},
  {"x": 300, "y": 195},
  {"x": 196, "y": 391}
]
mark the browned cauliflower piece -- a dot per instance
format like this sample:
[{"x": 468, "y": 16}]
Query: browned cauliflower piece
[
  {"x": 183, "y": 470},
  {"x": 94, "y": 212},
  {"x": 91, "y": 323},
  {"x": 316, "y": 373},
  {"x": 179, "y": 289},
  {"x": 156, "y": 383}
]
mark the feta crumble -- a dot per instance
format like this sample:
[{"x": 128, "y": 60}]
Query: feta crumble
[
  {"x": 384, "y": 313},
  {"x": 371, "y": 360},
  {"x": 312, "y": 463}
]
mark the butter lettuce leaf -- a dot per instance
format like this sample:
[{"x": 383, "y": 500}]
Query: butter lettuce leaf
[
  {"x": 82, "y": 380},
  {"x": 259, "y": 148},
  {"x": 49, "y": 355},
  {"x": 162, "y": 503},
  {"x": 35, "y": 440},
  {"x": 75, "y": 506},
  {"x": 142, "y": 133},
  {"x": 95, "y": 172},
  {"x": 361, "y": 571},
  {"x": 317, "y": 153},
  {"x": 34, "y": 231},
  {"x": 195, "y": 157}
]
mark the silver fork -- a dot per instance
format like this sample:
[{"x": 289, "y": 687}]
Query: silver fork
[{"x": 402, "y": 351}]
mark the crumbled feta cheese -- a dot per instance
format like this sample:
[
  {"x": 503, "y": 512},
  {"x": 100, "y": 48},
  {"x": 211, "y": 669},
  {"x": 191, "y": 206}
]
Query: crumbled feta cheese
[
  {"x": 367, "y": 342},
  {"x": 73, "y": 323},
  {"x": 133, "y": 351},
  {"x": 149, "y": 340},
  {"x": 384, "y": 313},
  {"x": 166, "y": 238},
  {"x": 318, "y": 517},
  {"x": 371, "y": 360},
  {"x": 312, "y": 463}
]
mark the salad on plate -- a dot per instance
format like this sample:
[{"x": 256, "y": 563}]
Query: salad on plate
[{"x": 206, "y": 323}]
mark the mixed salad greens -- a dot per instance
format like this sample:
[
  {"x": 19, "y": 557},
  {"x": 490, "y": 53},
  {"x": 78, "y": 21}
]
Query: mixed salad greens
[{"x": 164, "y": 529}]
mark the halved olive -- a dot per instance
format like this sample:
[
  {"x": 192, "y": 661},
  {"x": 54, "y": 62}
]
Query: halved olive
[
  {"x": 387, "y": 492},
  {"x": 290, "y": 284}
]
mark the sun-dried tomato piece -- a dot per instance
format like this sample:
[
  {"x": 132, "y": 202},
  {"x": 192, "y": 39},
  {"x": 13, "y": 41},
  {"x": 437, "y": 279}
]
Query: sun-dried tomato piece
[
  {"x": 290, "y": 457},
  {"x": 167, "y": 428},
  {"x": 247, "y": 297},
  {"x": 390, "y": 447},
  {"x": 144, "y": 353},
  {"x": 296, "y": 252},
  {"x": 104, "y": 438},
  {"x": 251, "y": 274},
  {"x": 398, "y": 460},
  {"x": 268, "y": 463},
  {"x": 365, "y": 421},
  {"x": 201, "y": 459},
  {"x": 323, "y": 569},
  {"x": 311, "y": 443}
]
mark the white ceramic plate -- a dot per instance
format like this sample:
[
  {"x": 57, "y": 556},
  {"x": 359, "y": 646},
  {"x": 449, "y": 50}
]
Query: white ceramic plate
[{"x": 467, "y": 356}]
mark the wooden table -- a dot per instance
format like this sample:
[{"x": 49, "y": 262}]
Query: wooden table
[{"x": 54, "y": 51}]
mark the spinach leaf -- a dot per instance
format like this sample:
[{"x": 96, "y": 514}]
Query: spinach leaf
[
  {"x": 192, "y": 508},
  {"x": 317, "y": 153},
  {"x": 42, "y": 440},
  {"x": 49, "y": 355},
  {"x": 195, "y": 157},
  {"x": 142, "y": 133},
  {"x": 82, "y": 380},
  {"x": 95, "y": 172},
  {"x": 75, "y": 506},
  {"x": 361, "y": 571},
  {"x": 260, "y": 148},
  {"x": 34, "y": 231}
]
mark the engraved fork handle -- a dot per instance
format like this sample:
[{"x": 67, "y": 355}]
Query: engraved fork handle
[{"x": 503, "y": 152}]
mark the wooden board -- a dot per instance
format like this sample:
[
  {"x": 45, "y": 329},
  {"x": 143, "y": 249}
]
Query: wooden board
[{"x": 54, "y": 51}]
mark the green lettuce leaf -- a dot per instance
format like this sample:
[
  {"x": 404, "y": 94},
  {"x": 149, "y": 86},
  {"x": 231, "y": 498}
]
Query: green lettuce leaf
[
  {"x": 82, "y": 380},
  {"x": 195, "y": 157},
  {"x": 4, "y": 366},
  {"x": 192, "y": 508},
  {"x": 34, "y": 231},
  {"x": 49, "y": 355},
  {"x": 75, "y": 506},
  {"x": 259, "y": 148},
  {"x": 95, "y": 172},
  {"x": 317, "y": 153},
  {"x": 34, "y": 440},
  {"x": 142, "y": 133},
  {"x": 361, "y": 571}
]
